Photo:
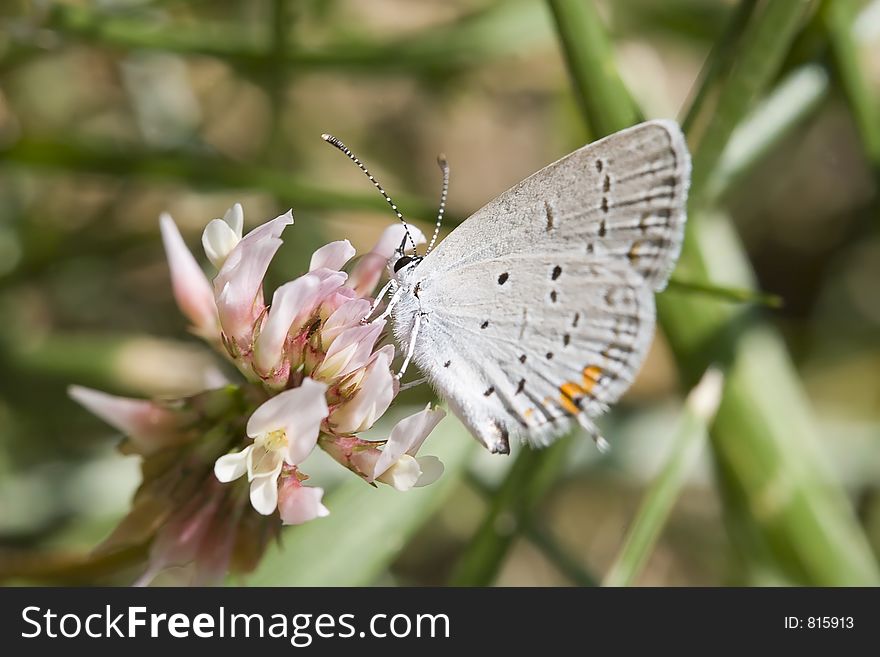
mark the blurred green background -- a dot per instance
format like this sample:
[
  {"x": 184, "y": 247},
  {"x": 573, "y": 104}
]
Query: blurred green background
[{"x": 114, "y": 111}]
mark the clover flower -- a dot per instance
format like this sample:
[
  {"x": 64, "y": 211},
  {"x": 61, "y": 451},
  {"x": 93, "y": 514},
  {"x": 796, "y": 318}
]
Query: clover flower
[{"x": 223, "y": 469}]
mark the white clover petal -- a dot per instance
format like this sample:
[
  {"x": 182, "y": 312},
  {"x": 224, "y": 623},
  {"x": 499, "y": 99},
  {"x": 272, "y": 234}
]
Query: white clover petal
[
  {"x": 238, "y": 284},
  {"x": 392, "y": 237},
  {"x": 298, "y": 413},
  {"x": 287, "y": 302},
  {"x": 239, "y": 287},
  {"x": 230, "y": 467},
  {"x": 150, "y": 426},
  {"x": 374, "y": 396},
  {"x": 350, "y": 351},
  {"x": 191, "y": 287},
  {"x": 407, "y": 437},
  {"x": 234, "y": 217},
  {"x": 263, "y": 461},
  {"x": 403, "y": 473},
  {"x": 432, "y": 469},
  {"x": 218, "y": 240},
  {"x": 299, "y": 504},
  {"x": 264, "y": 494},
  {"x": 332, "y": 256},
  {"x": 347, "y": 315}
]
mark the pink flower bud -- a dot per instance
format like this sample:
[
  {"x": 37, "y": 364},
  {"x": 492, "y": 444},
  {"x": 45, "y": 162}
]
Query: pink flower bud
[
  {"x": 350, "y": 351},
  {"x": 192, "y": 291},
  {"x": 298, "y": 504},
  {"x": 332, "y": 256},
  {"x": 373, "y": 397},
  {"x": 238, "y": 286},
  {"x": 149, "y": 425}
]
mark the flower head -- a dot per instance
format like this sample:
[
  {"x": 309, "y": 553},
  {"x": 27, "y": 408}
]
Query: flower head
[{"x": 315, "y": 372}]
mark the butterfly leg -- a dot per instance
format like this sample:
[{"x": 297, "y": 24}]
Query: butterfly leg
[
  {"x": 417, "y": 322},
  {"x": 391, "y": 283},
  {"x": 391, "y": 303},
  {"x": 413, "y": 384}
]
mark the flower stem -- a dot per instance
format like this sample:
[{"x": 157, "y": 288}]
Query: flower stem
[
  {"x": 530, "y": 477},
  {"x": 663, "y": 492}
]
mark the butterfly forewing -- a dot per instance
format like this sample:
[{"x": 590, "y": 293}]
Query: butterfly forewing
[{"x": 540, "y": 306}]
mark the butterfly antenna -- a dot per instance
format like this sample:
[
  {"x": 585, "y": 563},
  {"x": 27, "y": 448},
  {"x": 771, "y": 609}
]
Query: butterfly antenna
[
  {"x": 333, "y": 141},
  {"x": 444, "y": 167}
]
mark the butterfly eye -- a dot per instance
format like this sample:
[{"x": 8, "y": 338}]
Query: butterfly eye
[{"x": 402, "y": 262}]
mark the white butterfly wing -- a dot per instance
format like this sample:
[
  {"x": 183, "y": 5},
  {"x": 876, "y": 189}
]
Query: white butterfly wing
[{"x": 539, "y": 308}]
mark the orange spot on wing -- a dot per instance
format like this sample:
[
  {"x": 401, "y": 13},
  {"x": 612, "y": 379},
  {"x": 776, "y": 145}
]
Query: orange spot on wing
[
  {"x": 571, "y": 390},
  {"x": 569, "y": 405},
  {"x": 572, "y": 393},
  {"x": 592, "y": 374}
]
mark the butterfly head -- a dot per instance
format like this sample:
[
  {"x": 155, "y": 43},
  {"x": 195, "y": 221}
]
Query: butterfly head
[{"x": 402, "y": 265}]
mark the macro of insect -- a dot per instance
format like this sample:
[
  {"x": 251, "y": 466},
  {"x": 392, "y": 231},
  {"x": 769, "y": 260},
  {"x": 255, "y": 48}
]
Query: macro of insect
[{"x": 538, "y": 310}]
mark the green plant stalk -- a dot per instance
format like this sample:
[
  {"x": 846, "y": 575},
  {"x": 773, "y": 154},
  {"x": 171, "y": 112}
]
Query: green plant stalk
[
  {"x": 502, "y": 29},
  {"x": 794, "y": 99},
  {"x": 811, "y": 527},
  {"x": 543, "y": 539},
  {"x": 732, "y": 294},
  {"x": 660, "y": 497},
  {"x": 839, "y": 17},
  {"x": 198, "y": 171},
  {"x": 367, "y": 527},
  {"x": 759, "y": 54},
  {"x": 530, "y": 477},
  {"x": 588, "y": 52},
  {"x": 719, "y": 60}
]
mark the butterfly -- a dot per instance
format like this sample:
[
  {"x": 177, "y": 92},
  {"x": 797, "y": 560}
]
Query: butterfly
[{"x": 538, "y": 310}]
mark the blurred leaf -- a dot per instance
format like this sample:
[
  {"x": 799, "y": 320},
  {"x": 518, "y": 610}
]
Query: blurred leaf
[
  {"x": 660, "y": 497},
  {"x": 801, "y": 510},
  {"x": 732, "y": 294},
  {"x": 588, "y": 53},
  {"x": 367, "y": 527},
  {"x": 797, "y": 97},
  {"x": 530, "y": 477},
  {"x": 719, "y": 60},
  {"x": 198, "y": 170},
  {"x": 758, "y": 56},
  {"x": 501, "y": 29},
  {"x": 839, "y": 18}
]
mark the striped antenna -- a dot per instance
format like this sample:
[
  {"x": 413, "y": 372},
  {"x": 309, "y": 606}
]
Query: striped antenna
[
  {"x": 333, "y": 141},
  {"x": 444, "y": 167}
]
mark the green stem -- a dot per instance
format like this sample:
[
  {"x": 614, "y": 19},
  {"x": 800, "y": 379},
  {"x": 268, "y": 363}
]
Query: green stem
[
  {"x": 588, "y": 52},
  {"x": 197, "y": 171},
  {"x": 719, "y": 60},
  {"x": 663, "y": 492},
  {"x": 502, "y": 29},
  {"x": 839, "y": 16},
  {"x": 759, "y": 54},
  {"x": 733, "y": 294},
  {"x": 794, "y": 100},
  {"x": 530, "y": 477},
  {"x": 543, "y": 539}
]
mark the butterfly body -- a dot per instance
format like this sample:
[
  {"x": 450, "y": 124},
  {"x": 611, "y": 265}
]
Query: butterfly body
[{"x": 539, "y": 309}]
